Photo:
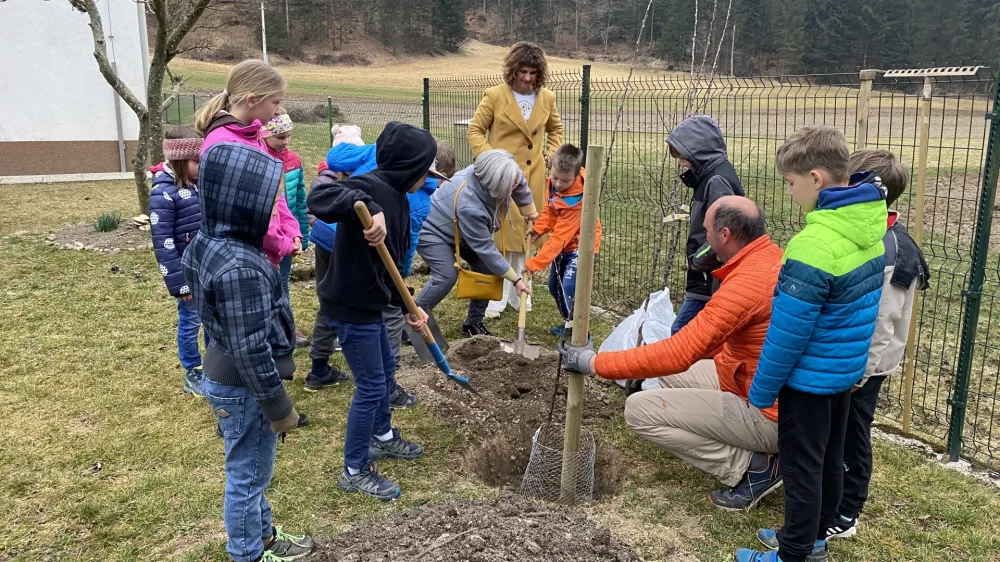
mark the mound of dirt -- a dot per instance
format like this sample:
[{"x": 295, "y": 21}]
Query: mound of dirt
[
  {"x": 514, "y": 391},
  {"x": 512, "y": 529},
  {"x": 82, "y": 236}
]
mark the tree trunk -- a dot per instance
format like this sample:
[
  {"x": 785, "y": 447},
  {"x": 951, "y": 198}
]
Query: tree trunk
[{"x": 139, "y": 166}]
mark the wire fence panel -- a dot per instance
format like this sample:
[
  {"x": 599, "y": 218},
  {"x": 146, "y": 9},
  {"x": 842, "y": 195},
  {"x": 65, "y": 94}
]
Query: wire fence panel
[{"x": 644, "y": 207}]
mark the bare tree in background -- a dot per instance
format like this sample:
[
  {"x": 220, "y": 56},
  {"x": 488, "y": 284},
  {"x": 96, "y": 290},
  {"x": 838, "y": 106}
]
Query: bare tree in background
[{"x": 174, "y": 20}]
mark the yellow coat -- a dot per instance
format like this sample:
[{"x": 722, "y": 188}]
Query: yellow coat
[{"x": 499, "y": 116}]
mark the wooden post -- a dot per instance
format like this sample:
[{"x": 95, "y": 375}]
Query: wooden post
[
  {"x": 918, "y": 235},
  {"x": 581, "y": 319},
  {"x": 864, "y": 107}
]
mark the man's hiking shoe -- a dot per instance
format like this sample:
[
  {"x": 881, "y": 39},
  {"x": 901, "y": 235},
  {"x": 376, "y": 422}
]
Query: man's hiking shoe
[
  {"x": 401, "y": 399},
  {"x": 303, "y": 420},
  {"x": 284, "y": 546},
  {"x": 333, "y": 376},
  {"x": 842, "y": 529},
  {"x": 769, "y": 538},
  {"x": 370, "y": 483},
  {"x": 557, "y": 330},
  {"x": 192, "y": 382},
  {"x": 761, "y": 479},
  {"x": 475, "y": 330},
  {"x": 395, "y": 448}
]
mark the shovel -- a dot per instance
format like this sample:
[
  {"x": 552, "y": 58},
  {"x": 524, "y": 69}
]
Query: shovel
[
  {"x": 519, "y": 346},
  {"x": 411, "y": 306},
  {"x": 418, "y": 343}
]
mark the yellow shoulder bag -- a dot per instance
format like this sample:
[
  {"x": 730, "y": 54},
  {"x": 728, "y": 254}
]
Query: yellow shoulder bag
[{"x": 472, "y": 285}]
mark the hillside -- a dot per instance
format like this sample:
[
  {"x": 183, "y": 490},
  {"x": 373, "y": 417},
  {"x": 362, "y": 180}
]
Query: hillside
[{"x": 394, "y": 78}]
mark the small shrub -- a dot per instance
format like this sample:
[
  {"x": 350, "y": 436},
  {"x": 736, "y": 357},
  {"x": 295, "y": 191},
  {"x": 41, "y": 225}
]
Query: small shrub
[
  {"x": 312, "y": 113},
  {"x": 108, "y": 221}
]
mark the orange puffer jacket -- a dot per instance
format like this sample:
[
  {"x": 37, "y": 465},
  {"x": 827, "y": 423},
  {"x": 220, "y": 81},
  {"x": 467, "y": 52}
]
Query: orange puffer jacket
[
  {"x": 561, "y": 221},
  {"x": 730, "y": 329}
]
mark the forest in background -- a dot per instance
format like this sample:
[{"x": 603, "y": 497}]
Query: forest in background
[{"x": 756, "y": 36}]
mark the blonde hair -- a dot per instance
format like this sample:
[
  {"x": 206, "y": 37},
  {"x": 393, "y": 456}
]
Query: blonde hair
[
  {"x": 249, "y": 78},
  {"x": 815, "y": 147},
  {"x": 894, "y": 175}
]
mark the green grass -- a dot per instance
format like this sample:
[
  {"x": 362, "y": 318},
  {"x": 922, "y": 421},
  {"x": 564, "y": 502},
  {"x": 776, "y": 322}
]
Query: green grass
[{"x": 88, "y": 373}]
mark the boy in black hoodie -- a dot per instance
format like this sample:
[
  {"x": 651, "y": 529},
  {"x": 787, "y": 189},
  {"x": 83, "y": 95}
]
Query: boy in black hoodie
[
  {"x": 698, "y": 145},
  {"x": 354, "y": 297}
]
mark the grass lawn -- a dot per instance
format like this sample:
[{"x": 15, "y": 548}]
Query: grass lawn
[{"x": 88, "y": 373}]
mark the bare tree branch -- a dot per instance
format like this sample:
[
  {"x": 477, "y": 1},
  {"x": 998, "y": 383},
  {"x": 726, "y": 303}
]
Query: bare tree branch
[
  {"x": 178, "y": 33},
  {"x": 101, "y": 54}
]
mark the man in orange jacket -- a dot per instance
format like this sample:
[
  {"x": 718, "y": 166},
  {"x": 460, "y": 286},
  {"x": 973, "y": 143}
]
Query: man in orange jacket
[{"x": 701, "y": 413}]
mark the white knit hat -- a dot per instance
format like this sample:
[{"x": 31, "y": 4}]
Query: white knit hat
[{"x": 349, "y": 134}]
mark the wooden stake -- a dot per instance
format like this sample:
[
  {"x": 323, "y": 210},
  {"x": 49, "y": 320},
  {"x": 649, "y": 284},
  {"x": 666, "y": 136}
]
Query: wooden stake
[
  {"x": 918, "y": 235},
  {"x": 581, "y": 320},
  {"x": 864, "y": 105}
]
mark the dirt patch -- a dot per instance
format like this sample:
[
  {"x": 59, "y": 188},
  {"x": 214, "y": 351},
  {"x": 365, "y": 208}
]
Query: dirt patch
[
  {"x": 510, "y": 529},
  {"x": 82, "y": 236},
  {"x": 514, "y": 391},
  {"x": 515, "y": 397}
]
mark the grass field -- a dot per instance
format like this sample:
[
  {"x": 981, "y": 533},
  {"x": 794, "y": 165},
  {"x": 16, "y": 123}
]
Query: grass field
[{"x": 88, "y": 372}]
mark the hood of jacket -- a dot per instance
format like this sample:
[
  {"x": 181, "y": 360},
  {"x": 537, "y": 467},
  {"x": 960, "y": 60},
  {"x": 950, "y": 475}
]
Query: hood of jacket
[
  {"x": 403, "y": 154},
  {"x": 698, "y": 140},
  {"x": 234, "y": 130},
  {"x": 238, "y": 186},
  {"x": 856, "y": 212}
]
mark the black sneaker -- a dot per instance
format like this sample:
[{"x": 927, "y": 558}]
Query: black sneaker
[
  {"x": 333, "y": 376},
  {"x": 761, "y": 479},
  {"x": 406, "y": 339},
  {"x": 370, "y": 483},
  {"x": 475, "y": 330},
  {"x": 401, "y": 399},
  {"x": 303, "y": 420},
  {"x": 395, "y": 448},
  {"x": 842, "y": 529}
]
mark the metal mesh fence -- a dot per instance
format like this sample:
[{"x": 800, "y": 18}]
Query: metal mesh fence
[
  {"x": 644, "y": 207},
  {"x": 543, "y": 476}
]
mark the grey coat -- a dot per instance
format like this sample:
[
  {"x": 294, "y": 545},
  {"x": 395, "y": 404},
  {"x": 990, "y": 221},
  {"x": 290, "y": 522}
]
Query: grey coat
[{"x": 479, "y": 217}]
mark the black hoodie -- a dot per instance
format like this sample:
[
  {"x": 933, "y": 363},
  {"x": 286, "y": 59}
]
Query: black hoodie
[
  {"x": 699, "y": 141},
  {"x": 360, "y": 287}
]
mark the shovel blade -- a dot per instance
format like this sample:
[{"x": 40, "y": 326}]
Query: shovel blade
[
  {"x": 519, "y": 347},
  {"x": 417, "y": 340}
]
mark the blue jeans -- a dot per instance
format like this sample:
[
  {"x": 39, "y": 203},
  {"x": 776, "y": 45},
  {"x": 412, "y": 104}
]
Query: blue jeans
[
  {"x": 688, "y": 310},
  {"x": 369, "y": 356},
  {"x": 285, "y": 272},
  {"x": 562, "y": 282},
  {"x": 250, "y": 448},
  {"x": 188, "y": 325}
]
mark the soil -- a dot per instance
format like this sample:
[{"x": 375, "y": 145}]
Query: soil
[
  {"x": 511, "y": 529},
  {"x": 515, "y": 397},
  {"x": 82, "y": 236}
]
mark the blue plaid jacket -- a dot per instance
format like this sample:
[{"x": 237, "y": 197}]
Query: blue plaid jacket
[{"x": 237, "y": 291}]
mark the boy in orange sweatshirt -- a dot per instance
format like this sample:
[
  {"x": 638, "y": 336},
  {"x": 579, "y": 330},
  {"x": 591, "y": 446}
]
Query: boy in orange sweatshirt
[{"x": 561, "y": 221}]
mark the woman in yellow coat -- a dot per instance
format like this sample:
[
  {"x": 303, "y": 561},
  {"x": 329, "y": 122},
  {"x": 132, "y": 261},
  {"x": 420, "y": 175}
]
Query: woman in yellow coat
[{"x": 519, "y": 116}]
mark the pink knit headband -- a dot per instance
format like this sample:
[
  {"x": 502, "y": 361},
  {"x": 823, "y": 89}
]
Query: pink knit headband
[{"x": 182, "y": 149}]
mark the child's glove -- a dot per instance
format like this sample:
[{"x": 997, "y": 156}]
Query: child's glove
[{"x": 286, "y": 424}]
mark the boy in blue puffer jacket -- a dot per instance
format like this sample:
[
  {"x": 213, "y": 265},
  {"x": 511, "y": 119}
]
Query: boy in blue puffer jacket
[
  {"x": 174, "y": 219},
  {"x": 822, "y": 320}
]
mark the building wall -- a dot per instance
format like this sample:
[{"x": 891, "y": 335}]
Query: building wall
[{"x": 58, "y": 110}]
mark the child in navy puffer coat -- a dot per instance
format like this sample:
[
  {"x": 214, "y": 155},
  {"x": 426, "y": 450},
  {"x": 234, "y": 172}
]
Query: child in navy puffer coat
[{"x": 174, "y": 218}]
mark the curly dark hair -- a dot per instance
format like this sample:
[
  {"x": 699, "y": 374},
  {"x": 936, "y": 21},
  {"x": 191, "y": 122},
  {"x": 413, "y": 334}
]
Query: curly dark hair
[{"x": 525, "y": 54}]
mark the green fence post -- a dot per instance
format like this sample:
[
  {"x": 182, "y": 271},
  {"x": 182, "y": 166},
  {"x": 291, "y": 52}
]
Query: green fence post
[
  {"x": 180, "y": 118},
  {"x": 427, "y": 104},
  {"x": 194, "y": 105},
  {"x": 973, "y": 295},
  {"x": 585, "y": 110},
  {"x": 329, "y": 117}
]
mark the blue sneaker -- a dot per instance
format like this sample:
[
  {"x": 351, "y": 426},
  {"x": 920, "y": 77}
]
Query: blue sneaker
[
  {"x": 748, "y": 555},
  {"x": 769, "y": 538},
  {"x": 370, "y": 483},
  {"x": 557, "y": 330},
  {"x": 761, "y": 479},
  {"x": 192, "y": 382}
]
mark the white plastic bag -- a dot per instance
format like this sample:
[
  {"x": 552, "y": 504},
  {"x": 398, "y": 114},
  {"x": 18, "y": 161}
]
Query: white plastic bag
[{"x": 654, "y": 321}]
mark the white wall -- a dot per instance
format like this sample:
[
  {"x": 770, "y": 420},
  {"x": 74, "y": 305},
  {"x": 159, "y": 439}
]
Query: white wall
[{"x": 50, "y": 88}]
